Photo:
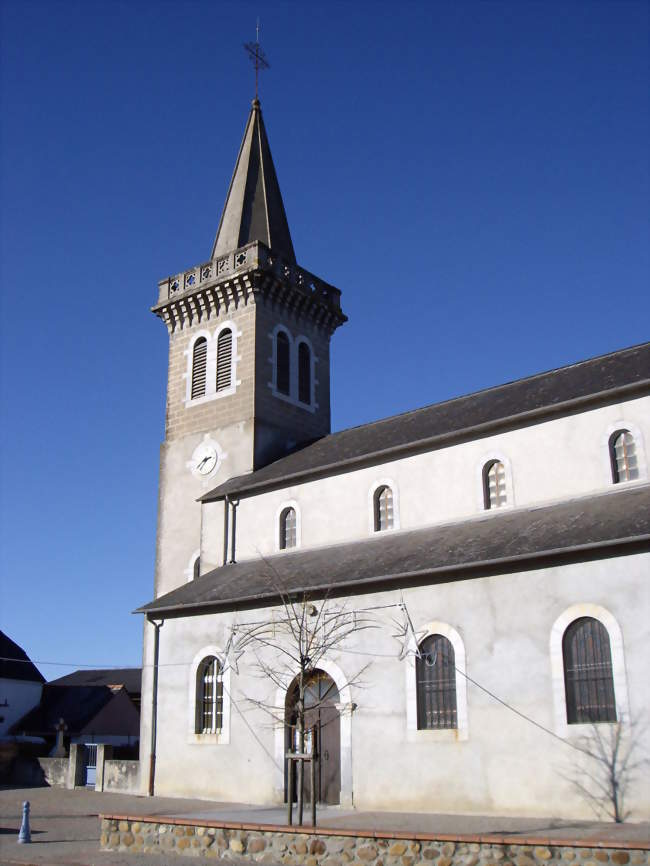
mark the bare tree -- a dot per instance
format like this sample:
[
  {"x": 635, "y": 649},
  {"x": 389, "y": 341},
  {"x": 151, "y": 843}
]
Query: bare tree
[
  {"x": 610, "y": 763},
  {"x": 288, "y": 647}
]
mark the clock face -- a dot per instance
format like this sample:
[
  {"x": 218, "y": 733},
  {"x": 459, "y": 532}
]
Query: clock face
[
  {"x": 207, "y": 462},
  {"x": 206, "y": 459}
]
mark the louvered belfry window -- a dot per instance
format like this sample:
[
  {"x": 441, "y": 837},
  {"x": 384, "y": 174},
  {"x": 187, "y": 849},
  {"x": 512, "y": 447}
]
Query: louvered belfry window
[
  {"x": 435, "y": 673},
  {"x": 383, "y": 505},
  {"x": 625, "y": 466},
  {"x": 588, "y": 675},
  {"x": 288, "y": 528},
  {"x": 282, "y": 363},
  {"x": 209, "y": 697},
  {"x": 224, "y": 359},
  {"x": 199, "y": 357},
  {"x": 494, "y": 484},
  {"x": 304, "y": 373}
]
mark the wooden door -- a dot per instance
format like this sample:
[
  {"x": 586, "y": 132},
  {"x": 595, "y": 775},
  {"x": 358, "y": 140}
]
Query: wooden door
[{"x": 321, "y": 715}]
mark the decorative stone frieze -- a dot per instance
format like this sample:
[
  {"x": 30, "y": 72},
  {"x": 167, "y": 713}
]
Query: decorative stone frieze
[
  {"x": 302, "y": 846},
  {"x": 205, "y": 290}
]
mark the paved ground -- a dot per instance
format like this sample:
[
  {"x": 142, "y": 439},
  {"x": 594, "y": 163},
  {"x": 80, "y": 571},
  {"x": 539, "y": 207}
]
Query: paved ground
[{"x": 65, "y": 828}]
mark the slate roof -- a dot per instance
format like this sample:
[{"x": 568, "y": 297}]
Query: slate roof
[
  {"x": 15, "y": 664},
  {"x": 130, "y": 678},
  {"x": 509, "y": 539},
  {"x": 583, "y": 385},
  {"x": 254, "y": 210}
]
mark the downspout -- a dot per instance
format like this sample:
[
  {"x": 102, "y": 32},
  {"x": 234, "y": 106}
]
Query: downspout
[
  {"x": 234, "y": 503},
  {"x": 154, "y": 703},
  {"x": 226, "y": 509}
]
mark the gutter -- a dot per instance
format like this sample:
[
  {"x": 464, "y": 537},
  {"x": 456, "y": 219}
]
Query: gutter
[
  {"x": 200, "y": 606},
  {"x": 428, "y": 441}
]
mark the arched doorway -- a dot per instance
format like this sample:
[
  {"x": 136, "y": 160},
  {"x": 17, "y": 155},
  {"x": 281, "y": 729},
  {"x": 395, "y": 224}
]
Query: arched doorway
[{"x": 321, "y": 697}]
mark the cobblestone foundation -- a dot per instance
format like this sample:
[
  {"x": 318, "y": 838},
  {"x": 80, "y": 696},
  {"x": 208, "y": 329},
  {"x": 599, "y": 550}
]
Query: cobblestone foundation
[{"x": 306, "y": 847}]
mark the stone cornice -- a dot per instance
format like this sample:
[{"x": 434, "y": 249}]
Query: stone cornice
[{"x": 229, "y": 281}]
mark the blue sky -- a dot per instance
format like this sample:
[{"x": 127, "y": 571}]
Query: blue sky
[{"x": 472, "y": 175}]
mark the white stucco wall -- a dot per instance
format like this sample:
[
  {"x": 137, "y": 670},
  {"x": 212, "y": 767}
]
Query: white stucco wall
[
  {"x": 552, "y": 461},
  {"x": 17, "y": 697},
  {"x": 499, "y": 763}
]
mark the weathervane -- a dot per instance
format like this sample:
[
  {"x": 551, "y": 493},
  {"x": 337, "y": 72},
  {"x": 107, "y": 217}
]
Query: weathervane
[{"x": 256, "y": 55}]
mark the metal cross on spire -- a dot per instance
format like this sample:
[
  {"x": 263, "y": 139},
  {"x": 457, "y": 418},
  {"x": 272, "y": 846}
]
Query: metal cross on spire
[{"x": 257, "y": 56}]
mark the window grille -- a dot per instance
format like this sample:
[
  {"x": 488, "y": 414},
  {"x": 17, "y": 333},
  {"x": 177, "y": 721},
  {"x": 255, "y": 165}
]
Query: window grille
[
  {"x": 435, "y": 674},
  {"x": 224, "y": 359},
  {"x": 384, "y": 512},
  {"x": 288, "y": 528},
  {"x": 588, "y": 673},
  {"x": 625, "y": 466},
  {"x": 209, "y": 704},
  {"x": 494, "y": 485},
  {"x": 199, "y": 356},
  {"x": 304, "y": 373},
  {"x": 282, "y": 363}
]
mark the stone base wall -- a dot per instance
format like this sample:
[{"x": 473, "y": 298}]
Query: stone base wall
[{"x": 306, "y": 847}]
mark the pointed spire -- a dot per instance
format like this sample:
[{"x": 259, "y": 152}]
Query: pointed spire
[{"x": 254, "y": 210}]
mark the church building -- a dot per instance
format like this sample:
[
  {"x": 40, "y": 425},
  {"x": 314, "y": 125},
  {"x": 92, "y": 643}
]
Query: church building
[{"x": 499, "y": 542}]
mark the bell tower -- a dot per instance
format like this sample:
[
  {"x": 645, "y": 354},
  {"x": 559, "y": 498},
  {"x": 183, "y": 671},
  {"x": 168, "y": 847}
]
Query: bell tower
[{"x": 249, "y": 340}]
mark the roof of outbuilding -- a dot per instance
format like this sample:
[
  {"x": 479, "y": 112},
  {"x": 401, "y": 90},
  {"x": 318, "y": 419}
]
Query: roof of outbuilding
[
  {"x": 511, "y": 538},
  {"x": 81, "y": 707},
  {"x": 584, "y": 384},
  {"x": 130, "y": 678},
  {"x": 15, "y": 664}
]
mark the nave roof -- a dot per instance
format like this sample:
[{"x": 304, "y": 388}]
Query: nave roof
[{"x": 620, "y": 374}]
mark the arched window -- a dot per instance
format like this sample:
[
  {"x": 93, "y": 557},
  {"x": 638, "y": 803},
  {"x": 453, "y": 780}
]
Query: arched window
[
  {"x": 494, "y": 484},
  {"x": 435, "y": 674},
  {"x": 383, "y": 507},
  {"x": 288, "y": 528},
  {"x": 224, "y": 359},
  {"x": 588, "y": 678},
  {"x": 196, "y": 568},
  {"x": 209, "y": 697},
  {"x": 199, "y": 358},
  {"x": 304, "y": 373},
  {"x": 282, "y": 363},
  {"x": 622, "y": 451}
]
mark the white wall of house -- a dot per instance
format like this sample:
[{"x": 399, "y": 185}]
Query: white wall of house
[
  {"x": 555, "y": 460},
  {"x": 499, "y": 764},
  {"x": 17, "y": 697}
]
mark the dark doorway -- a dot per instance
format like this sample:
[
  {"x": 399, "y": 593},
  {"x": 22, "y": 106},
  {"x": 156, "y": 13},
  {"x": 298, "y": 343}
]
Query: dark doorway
[{"x": 321, "y": 697}]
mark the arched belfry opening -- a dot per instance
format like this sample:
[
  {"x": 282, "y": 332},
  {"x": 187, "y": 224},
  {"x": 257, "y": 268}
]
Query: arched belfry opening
[{"x": 322, "y": 719}]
